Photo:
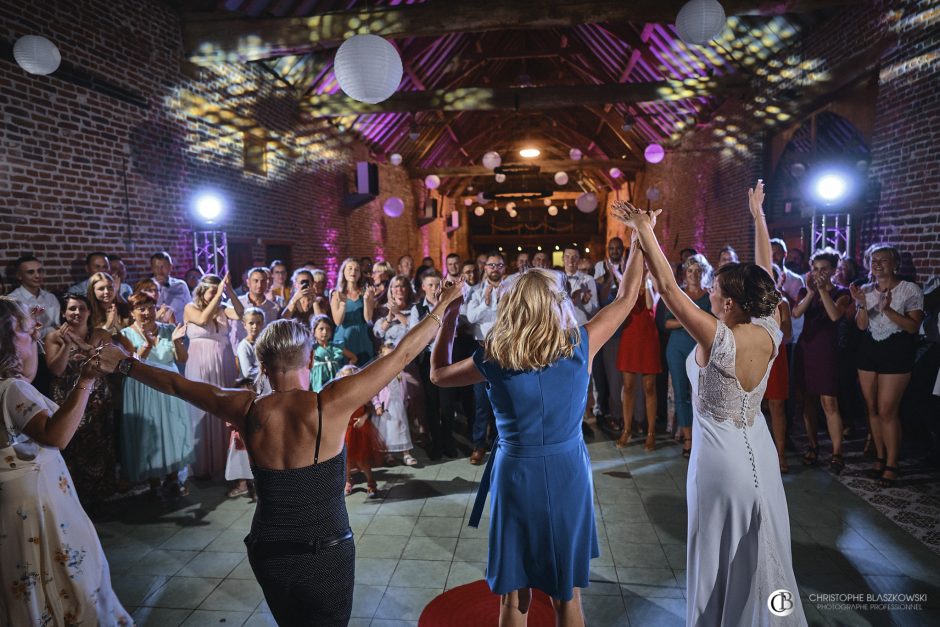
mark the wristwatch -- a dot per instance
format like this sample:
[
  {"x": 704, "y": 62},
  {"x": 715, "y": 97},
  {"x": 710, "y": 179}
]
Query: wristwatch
[{"x": 124, "y": 366}]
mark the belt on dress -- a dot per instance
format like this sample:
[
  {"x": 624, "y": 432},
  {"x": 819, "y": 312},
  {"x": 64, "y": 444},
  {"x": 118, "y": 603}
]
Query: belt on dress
[
  {"x": 274, "y": 548},
  {"x": 515, "y": 450}
]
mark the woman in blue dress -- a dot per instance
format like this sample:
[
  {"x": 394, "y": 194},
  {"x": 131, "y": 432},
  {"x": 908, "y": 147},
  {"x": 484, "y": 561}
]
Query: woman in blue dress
[
  {"x": 352, "y": 304},
  {"x": 536, "y": 364}
]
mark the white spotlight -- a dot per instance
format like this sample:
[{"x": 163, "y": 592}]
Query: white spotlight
[
  {"x": 208, "y": 207},
  {"x": 831, "y": 187}
]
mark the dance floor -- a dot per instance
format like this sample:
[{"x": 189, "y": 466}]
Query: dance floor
[{"x": 183, "y": 562}]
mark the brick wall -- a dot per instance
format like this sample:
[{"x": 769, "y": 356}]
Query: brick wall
[{"x": 68, "y": 153}]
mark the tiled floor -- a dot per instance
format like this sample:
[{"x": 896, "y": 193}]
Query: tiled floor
[{"x": 183, "y": 562}]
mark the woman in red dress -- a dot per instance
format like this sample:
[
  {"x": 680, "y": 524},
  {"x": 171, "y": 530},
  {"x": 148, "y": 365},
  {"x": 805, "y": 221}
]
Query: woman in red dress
[{"x": 639, "y": 354}]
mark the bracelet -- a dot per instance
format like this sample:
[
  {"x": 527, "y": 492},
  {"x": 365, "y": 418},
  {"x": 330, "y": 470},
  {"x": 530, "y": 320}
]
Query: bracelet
[
  {"x": 78, "y": 387},
  {"x": 436, "y": 317}
]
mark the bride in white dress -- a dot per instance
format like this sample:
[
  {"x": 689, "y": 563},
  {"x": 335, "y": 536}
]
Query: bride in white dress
[{"x": 740, "y": 570}]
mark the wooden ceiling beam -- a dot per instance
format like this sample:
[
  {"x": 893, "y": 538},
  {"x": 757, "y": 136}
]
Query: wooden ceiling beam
[
  {"x": 550, "y": 166},
  {"x": 221, "y": 37},
  {"x": 525, "y": 98}
]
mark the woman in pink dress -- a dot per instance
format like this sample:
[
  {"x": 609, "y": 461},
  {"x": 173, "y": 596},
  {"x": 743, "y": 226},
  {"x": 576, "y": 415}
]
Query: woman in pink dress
[{"x": 211, "y": 360}]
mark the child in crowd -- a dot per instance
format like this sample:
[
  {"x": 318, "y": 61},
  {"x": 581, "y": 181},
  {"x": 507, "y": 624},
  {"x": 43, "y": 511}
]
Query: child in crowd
[
  {"x": 391, "y": 418},
  {"x": 238, "y": 466},
  {"x": 328, "y": 357},
  {"x": 363, "y": 445}
]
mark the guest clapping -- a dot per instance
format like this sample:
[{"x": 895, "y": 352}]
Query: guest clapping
[
  {"x": 352, "y": 304},
  {"x": 106, "y": 312}
]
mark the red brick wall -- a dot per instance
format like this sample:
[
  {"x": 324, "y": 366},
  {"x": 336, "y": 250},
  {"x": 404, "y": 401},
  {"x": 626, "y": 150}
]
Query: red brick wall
[{"x": 65, "y": 151}]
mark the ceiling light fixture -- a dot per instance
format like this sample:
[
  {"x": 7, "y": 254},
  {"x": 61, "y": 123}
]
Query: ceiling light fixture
[{"x": 530, "y": 153}]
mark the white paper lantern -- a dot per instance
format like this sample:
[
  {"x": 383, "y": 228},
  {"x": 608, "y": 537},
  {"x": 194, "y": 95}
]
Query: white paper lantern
[
  {"x": 587, "y": 202},
  {"x": 492, "y": 160},
  {"x": 395, "y": 158},
  {"x": 481, "y": 199},
  {"x": 653, "y": 194},
  {"x": 479, "y": 211},
  {"x": 654, "y": 153},
  {"x": 467, "y": 202},
  {"x": 547, "y": 202},
  {"x": 574, "y": 154},
  {"x": 510, "y": 206},
  {"x": 500, "y": 178},
  {"x": 512, "y": 213},
  {"x": 700, "y": 21},
  {"x": 394, "y": 207},
  {"x": 36, "y": 55},
  {"x": 368, "y": 68},
  {"x": 615, "y": 173},
  {"x": 432, "y": 181},
  {"x": 553, "y": 210},
  {"x": 561, "y": 178}
]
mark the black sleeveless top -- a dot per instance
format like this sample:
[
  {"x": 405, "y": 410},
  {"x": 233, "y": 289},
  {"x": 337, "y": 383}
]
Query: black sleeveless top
[{"x": 301, "y": 504}]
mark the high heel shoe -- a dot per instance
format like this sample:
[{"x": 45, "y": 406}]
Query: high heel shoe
[
  {"x": 888, "y": 482},
  {"x": 650, "y": 444}
]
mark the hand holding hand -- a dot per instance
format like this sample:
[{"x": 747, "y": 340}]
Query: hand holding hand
[
  {"x": 453, "y": 293},
  {"x": 755, "y": 199},
  {"x": 109, "y": 356}
]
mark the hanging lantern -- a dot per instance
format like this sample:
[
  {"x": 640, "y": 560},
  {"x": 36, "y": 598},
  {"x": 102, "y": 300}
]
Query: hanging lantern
[
  {"x": 467, "y": 202},
  {"x": 481, "y": 199},
  {"x": 394, "y": 207},
  {"x": 368, "y": 68},
  {"x": 432, "y": 181},
  {"x": 587, "y": 202},
  {"x": 510, "y": 206},
  {"x": 574, "y": 154},
  {"x": 654, "y": 153},
  {"x": 700, "y": 21},
  {"x": 492, "y": 160},
  {"x": 500, "y": 178},
  {"x": 36, "y": 55},
  {"x": 553, "y": 210},
  {"x": 512, "y": 213},
  {"x": 561, "y": 178},
  {"x": 653, "y": 194},
  {"x": 395, "y": 158},
  {"x": 547, "y": 202},
  {"x": 615, "y": 173},
  {"x": 479, "y": 211}
]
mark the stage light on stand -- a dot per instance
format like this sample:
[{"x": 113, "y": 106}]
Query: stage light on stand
[{"x": 208, "y": 207}]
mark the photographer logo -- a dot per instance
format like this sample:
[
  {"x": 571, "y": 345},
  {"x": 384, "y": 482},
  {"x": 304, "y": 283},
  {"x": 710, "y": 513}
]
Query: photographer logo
[{"x": 780, "y": 603}]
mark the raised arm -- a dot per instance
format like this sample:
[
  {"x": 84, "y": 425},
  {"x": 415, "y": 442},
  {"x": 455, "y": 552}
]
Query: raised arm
[
  {"x": 445, "y": 373},
  {"x": 762, "y": 253},
  {"x": 342, "y": 396},
  {"x": 701, "y": 325},
  {"x": 230, "y": 405},
  {"x": 602, "y": 326}
]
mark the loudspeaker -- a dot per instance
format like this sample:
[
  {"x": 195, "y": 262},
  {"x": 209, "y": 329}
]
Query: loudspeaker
[
  {"x": 366, "y": 185},
  {"x": 430, "y": 209}
]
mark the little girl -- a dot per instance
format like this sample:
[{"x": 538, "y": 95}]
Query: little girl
[
  {"x": 328, "y": 357},
  {"x": 391, "y": 418},
  {"x": 363, "y": 445}
]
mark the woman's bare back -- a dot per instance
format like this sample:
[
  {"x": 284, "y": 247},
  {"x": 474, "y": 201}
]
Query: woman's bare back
[{"x": 281, "y": 431}]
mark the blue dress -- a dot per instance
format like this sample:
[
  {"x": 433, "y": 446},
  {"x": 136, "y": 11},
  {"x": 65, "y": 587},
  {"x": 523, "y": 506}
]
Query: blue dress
[
  {"x": 354, "y": 334},
  {"x": 542, "y": 530}
]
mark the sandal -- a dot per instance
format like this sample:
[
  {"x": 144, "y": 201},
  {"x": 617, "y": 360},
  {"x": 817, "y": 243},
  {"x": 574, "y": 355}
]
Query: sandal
[
  {"x": 810, "y": 456},
  {"x": 875, "y": 473},
  {"x": 836, "y": 464},
  {"x": 624, "y": 440},
  {"x": 650, "y": 444},
  {"x": 348, "y": 489},
  {"x": 234, "y": 493},
  {"x": 888, "y": 482},
  {"x": 372, "y": 491},
  {"x": 409, "y": 460}
]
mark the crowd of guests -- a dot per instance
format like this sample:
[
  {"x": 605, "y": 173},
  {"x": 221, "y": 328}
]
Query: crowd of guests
[{"x": 850, "y": 334}]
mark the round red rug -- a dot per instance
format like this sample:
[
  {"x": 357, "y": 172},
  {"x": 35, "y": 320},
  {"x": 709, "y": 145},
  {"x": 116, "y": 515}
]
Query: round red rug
[{"x": 473, "y": 605}]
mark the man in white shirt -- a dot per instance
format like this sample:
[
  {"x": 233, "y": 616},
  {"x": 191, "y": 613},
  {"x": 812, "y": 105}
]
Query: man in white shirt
[
  {"x": 608, "y": 382},
  {"x": 789, "y": 282},
  {"x": 29, "y": 272},
  {"x": 174, "y": 293},
  {"x": 481, "y": 313},
  {"x": 256, "y": 296}
]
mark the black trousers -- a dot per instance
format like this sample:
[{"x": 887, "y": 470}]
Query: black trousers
[
  {"x": 440, "y": 407},
  {"x": 310, "y": 589}
]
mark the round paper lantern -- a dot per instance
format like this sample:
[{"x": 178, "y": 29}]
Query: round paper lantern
[
  {"x": 36, "y": 55},
  {"x": 467, "y": 202},
  {"x": 561, "y": 178},
  {"x": 547, "y": 202},
  {"x": 574, "y": 154},
  {"x": 700, "y": 21},
  {"x": 512, "y": 213},
  {"x": 395, "y": 158},
  {"x": 797, "y": 170},
  {"x": 481, "y": 199},
  {"x": 368, "y": 68},
  {"x": 432, "y": 181},
  {"x": 479, "y": 211},
  {"x": 654, "y": 153},
  {"x": 510, "y": 206},
  {"x": 492, "y": 160},
  {"x": 653, "y": 194},
  {"x": 394, "y": 207},
  {"x": 553, "y": 210},
  {"x": 615, "y": 173},
  {"x": 500, "y": 178},
  {"x": 587, "y": 202}
]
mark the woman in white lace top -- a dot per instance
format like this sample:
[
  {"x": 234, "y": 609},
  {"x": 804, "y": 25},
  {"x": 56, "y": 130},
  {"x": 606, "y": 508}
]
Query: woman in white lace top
[
  {"x": 889, "y": 311},
  {"x": 739, "y": 564}
]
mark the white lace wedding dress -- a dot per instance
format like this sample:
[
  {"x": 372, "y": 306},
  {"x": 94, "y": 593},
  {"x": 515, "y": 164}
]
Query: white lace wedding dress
[{"x": 739, "y": 530}]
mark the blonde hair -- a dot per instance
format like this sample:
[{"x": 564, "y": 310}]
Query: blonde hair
[
  {"x": 205, "y": 283},
  {"x": 284, "y": 345},
  {"x": 535, "y": 326}
]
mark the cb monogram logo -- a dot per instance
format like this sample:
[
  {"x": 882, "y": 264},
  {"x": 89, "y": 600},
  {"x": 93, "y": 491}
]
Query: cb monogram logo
[{"x": 780, "y": 603}]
